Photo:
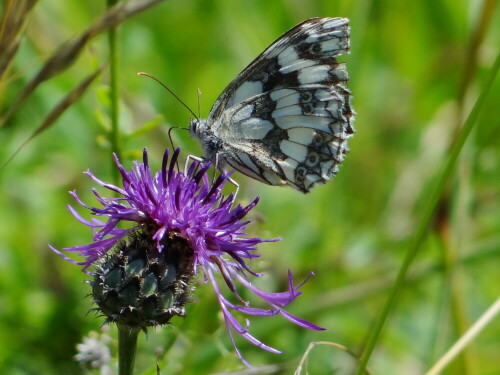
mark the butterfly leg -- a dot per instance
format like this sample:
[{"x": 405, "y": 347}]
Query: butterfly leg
[
  {"x": 192, "y": 158},
  {"x": 236, "y": 185},
  {"x": 216, "y": 167}
]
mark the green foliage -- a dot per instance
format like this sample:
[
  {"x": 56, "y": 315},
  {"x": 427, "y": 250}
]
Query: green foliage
[{"x": 416, "y": 70}]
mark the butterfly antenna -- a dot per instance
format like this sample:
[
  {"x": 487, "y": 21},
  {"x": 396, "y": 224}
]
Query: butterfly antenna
[
  {"x": 199, "y": 102},
  {"x": 170, "y": 91}
]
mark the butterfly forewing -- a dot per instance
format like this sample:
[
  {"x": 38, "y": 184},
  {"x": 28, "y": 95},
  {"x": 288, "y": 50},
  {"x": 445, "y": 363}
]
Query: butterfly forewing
[
  {"x": 286, "y": 118},
  {"x": 305, "y": 53}
]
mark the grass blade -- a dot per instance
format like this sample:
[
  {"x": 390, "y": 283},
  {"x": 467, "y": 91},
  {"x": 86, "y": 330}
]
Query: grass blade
[
  {"x": 13, "y": 19},
  {"x": 68, "y": 52},
  {"x": 473, "y": 331},
  {"x": 427, "y": 215}
]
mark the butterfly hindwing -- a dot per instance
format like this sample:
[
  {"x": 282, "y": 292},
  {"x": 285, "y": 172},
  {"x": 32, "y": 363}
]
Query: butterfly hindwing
[
  {"x": 289, "y": 136},
  {"x": 287, "y": 117}
]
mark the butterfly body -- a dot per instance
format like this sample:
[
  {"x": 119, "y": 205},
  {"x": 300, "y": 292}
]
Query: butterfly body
[{"x": 286, "y": 118}]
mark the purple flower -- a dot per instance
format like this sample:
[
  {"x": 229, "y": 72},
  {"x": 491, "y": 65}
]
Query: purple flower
[{"x": 187, "y": 206}]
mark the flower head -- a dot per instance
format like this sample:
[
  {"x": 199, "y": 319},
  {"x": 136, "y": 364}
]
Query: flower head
[
  {"x": 180, "y": 223},
  {"x": 94, "y": 353}
]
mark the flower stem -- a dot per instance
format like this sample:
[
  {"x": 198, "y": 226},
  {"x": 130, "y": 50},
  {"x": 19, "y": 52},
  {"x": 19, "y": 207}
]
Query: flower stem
[
  {"x": 113, "y": 84},
  {"x": 127, "y": 345}
]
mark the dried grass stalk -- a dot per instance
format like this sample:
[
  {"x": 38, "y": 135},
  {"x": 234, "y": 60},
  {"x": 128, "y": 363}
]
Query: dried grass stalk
[
  {"x": 58, "y": 110},
  {"x": 68, "y": 52},
  {"x": 13, "y": 20}
]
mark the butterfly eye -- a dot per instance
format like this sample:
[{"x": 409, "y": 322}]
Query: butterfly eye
[
  {"x": 307, "y": 109},
  {"x": 305, "y": 97},
  {"x": 317, "y": 140},
  {"x": 194, "y": 125},
  {"x": 312, "y": 159},
  {"x": 315, "y": 48},
  {"x": 300, "y": 173}
]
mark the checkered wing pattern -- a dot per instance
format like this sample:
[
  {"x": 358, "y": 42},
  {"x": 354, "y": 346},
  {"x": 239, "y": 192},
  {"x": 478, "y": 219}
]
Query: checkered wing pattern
[{"x": 286, "y": 119}]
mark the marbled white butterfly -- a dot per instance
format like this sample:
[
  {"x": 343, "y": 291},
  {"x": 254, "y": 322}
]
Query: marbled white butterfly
[{"x": 286, "y": 118}]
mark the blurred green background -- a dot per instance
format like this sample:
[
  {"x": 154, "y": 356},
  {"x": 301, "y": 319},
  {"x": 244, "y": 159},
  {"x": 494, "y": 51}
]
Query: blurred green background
[{"x": 416, "y": 68}]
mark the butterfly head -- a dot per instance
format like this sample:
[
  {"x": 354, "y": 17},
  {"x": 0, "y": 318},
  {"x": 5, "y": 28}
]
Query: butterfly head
[
  {"x": 211, "y": 144},
  {"x": 199, "y": 129},
  {"x": 193, "y": 127}
]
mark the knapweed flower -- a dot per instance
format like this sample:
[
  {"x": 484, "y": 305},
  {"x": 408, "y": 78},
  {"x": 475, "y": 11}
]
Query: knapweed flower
[{"x": 179, "y": 224}]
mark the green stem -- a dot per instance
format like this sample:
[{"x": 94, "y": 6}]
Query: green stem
[
  {"x": 455, "y": 224},
  {"x": 113, "y": 87},
  {"x": 127, "y": 345},
  {"x": 428, "y": 213}
]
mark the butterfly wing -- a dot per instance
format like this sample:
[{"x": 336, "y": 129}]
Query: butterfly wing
[
  {"x": 295, "y": 136},
  {"x": 305, "y": 54},
  {"x": 286, "y": 118}
]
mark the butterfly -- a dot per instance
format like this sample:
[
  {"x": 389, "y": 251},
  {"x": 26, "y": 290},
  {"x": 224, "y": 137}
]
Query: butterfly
[{"x": 286, "y": 118}]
